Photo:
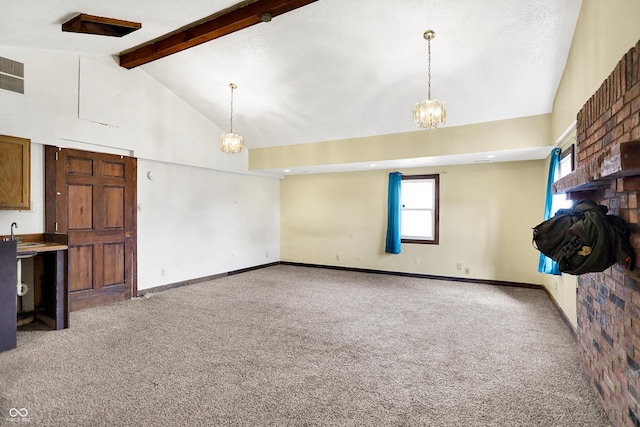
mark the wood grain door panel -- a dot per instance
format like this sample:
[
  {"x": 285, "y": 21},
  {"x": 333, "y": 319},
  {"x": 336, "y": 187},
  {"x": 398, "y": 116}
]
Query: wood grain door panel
[
  {"x": 94, "y": 202},
  {"x": 81, "y": 268},
  {"x": 80, "y": 210},
  {"x": 79, "y": 166},
  {"x": 114, "y": 208},
  {"x": 113, "y": 265},
  {"x": 112, "y": 169}
]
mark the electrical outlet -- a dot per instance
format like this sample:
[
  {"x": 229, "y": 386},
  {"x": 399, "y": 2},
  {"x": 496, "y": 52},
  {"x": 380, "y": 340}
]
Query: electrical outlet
[
  {"x": 163, "y": 272},
  {"x": 337, "y": 257},
  {"x": 459, "y": 266},
  {"x": 466, "y": 270},
  {"x": 360, "y": 258},
  {"x": 417, "y": 260},
  {"x": 266, "y": 254}
]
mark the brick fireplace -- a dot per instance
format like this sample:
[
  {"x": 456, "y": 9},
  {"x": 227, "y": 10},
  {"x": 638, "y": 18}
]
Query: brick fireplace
[{"x": 608, "y": 172}]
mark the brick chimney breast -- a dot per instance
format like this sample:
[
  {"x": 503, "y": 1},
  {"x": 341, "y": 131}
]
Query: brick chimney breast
[{"x": 608, "y": 172}]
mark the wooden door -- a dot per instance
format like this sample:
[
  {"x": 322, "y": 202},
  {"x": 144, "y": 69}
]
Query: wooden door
[{"x": 91, "y": 197}]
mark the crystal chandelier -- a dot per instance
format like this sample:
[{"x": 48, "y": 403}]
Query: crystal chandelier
[
  {"x": 430, "y": 113},
  {"x": 231, "y": 142}
]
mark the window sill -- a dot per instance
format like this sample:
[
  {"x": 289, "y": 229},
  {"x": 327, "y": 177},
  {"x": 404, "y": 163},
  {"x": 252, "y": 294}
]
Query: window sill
[{"x": 420, "y": 241}]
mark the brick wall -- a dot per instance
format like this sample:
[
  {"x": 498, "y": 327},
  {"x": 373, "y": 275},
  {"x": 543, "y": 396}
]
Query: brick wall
[
  {"x": 611, "y": 115},
  {"x": 609, "y": 302}
]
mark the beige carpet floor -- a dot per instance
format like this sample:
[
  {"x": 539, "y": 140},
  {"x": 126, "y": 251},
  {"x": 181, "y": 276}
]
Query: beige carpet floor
[{"x": 300, "y": 346}]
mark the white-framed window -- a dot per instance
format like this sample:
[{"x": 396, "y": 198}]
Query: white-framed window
[
  {"x": 420, "y": 209},
  {"x": 567, "y": 162},
  {"x": 566, "y": 165}
]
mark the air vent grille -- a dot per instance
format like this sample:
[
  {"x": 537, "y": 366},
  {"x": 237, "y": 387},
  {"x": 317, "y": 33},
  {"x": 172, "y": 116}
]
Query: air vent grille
[
  {"x": 11, "y": 75},
  {"x": 90, "y": 24}
]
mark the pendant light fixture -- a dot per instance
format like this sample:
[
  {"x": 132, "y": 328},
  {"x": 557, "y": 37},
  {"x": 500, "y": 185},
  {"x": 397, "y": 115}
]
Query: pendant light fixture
[
  {"x": 430, "y": 113},
  {"x": 231, "y": 142}
]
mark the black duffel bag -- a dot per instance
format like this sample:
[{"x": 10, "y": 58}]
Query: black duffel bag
[{"x": 584, "y": 239}]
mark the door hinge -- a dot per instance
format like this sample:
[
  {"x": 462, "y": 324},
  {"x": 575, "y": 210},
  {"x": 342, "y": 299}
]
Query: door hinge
[
  {"x": 56, "y": 156},
  {"x": 56, "y": 226}
]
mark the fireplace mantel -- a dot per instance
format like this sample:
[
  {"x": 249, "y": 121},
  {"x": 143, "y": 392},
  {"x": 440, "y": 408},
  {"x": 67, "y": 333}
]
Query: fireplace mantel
[{"x": 617, "y": 161}]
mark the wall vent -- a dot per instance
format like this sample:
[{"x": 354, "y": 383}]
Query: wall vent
[
  {"x": 11, "y": 75},
  {"x": 90, "y": 24}
]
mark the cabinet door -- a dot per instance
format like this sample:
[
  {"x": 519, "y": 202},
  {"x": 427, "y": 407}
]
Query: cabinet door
[{"x": 15, "y": 173}]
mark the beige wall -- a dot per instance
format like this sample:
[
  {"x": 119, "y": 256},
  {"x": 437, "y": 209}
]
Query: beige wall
[
  {"x": 605, "y": 31},
  {"x": 524, "y": 132},
  {"x": 485, "y": 222},
  {"x": 563, "y": 288},
  {"x": 487, "y": 210}
]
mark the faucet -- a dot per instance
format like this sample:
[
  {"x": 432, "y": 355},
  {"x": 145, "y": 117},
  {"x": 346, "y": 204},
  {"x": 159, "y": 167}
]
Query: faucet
[{"x": 13, "y": 224}]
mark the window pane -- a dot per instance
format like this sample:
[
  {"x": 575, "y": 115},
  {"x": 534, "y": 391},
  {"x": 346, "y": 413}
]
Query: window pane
[
  {"x": 564, "y": 167},
  {"x": 418, "y": 194},
  {"x": 417, "y": 224},
  {"x": 560, "y": 201}
]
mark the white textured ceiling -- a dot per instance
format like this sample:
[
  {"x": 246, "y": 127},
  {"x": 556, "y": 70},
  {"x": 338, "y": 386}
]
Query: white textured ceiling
[{"x": 335, "y": 69}]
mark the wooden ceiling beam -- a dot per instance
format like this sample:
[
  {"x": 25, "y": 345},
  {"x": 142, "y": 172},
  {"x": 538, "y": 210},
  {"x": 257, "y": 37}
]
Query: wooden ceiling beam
[{"x": 236, "y": 18}]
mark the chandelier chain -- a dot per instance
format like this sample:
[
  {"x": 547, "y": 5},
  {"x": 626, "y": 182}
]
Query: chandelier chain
[
  {"x": 429, "y": 53},
  {"x": 231, "y": 118}
]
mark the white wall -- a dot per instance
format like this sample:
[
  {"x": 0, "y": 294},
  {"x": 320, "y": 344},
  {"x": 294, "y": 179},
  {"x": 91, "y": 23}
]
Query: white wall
[
  {"x": 153, "y": 122},
  {"x": 195, "y": 222},
  {"x": 197, "y": 184}
]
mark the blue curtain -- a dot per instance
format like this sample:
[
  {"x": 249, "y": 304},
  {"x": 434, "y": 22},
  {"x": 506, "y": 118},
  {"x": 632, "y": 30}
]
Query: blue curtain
[
  {"x": 547, "y": 265},
  {"x": 394, "y": 213}
]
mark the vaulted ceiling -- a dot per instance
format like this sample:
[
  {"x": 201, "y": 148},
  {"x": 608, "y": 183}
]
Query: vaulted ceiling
[{"x": 334, "y": 69}]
